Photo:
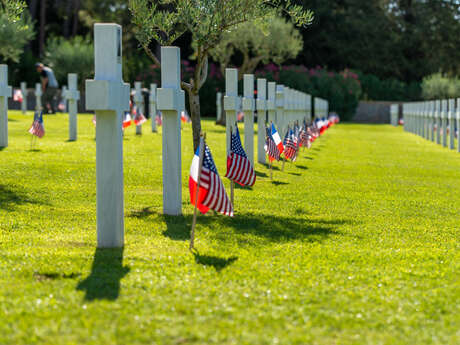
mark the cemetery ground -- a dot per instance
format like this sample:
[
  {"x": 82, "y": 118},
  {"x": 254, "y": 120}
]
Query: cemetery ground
[{"x": 356, "y": 243}]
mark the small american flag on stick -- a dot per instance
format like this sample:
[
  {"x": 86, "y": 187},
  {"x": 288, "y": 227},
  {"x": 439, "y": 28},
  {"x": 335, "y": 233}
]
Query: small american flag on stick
[
  {"x": 239, "y": 168},
  {"x": 37, "y": 128}
]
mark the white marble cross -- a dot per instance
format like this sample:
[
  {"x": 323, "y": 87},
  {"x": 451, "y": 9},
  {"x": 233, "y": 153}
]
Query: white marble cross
[
  {"x": 279, "y": 102},
  {"x": 153, "y": 106},
  {"x": 261, "y": 108},
  {"x": 219, "y": 107},
  {"x": 230, "y": 102},
  {"x": 451, "y": 124},
  {"x": 444, "y": 122},
  {"x": 108, "y": 96},
  {"x": 248, "y": 109},
  {"x": 24, "y": 97},
  {"x": 271, "y": 103},
  {"x": 38, "y": 96},
  {"x": 5, "y": 93},
  {"x": 139, "y": 100},
  {"x": 171, "y": 101},
  {"x": 72, "y": 95},
  {"x": 458, "y": 124}
]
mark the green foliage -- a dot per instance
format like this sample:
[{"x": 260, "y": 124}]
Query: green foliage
[
  {"x": 342, "y": 90},
  {"x": 438, "y": 86},
  {"x": 376, "y": 89},
  {"x": 274, "y": 41},
  {"x": 71, "y": 56},
  {"x": 16, "y": 29},
  {"x": 355, "y": 243},
  {"x": 405, "y": 40}
]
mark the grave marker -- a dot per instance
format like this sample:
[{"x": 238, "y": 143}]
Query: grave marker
[
  {"x": 24, "y": 97},
  {"x": 261, "y": 126},
  {"x": 38, "y": 97},
  {"x": 153, "y": 106},
  {"x": 72, "y": 95},
  {"x": 219, "y": 107},
  {"x": 108, "y": 96},
  {"x": 437, "y": 114},
  {"x": 279, "y": 108},
  {"x": 444, "y": 122},
  {"x": 171, "y": 100},
  {"x": 139, "y": 101},
  {"x": 451, "y": 116},
  {"x": 5, "y": 92},
  {"x": 248, "y": 109},
  {"x": 230, "y": 102}
]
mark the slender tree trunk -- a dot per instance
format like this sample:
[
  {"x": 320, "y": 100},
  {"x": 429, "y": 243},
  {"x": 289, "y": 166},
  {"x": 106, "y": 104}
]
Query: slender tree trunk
[
  {"x": 195, "y": 114},
  {"x": 41, "y": 42},
  {"x": 68, "y": 19},
  {"x": 76, "y": 8}
]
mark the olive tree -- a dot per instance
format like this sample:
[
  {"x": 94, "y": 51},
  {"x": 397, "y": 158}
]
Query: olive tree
[
  {"x": 16, "y": 29},
  {"x": 276, "y": 42},
  {"x": 206, "y": 20}
]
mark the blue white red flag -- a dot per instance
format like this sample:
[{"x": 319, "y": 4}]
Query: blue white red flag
[
  {"x": 37, "y": 128},
  {"x": 211, "y": 192},
  {"x": 276, "y": 138},
  {"x": 17, "y": 96},
  {"x": 127, "y": 120},
  {"x": 270, "y": 147},
  {"x": 290, "y": 145},
  {"x": 139, "y": 118},
  {"x": 239, "y": 168}
]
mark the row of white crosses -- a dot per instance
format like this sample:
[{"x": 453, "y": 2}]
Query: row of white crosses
[
  {"x": 321, "y": 107},
  {"x": 432, "y": 119},
  {"x": 285, "y": 107}
]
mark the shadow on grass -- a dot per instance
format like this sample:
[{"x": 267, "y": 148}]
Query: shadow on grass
[
  {"x": 9, "y": 198},
  {"x": 307, "y": 157},
  {"x": 218, "y": 263},
  {"x": 279, "y": 183},
  {"x": 265, "y": 227},
  {"x": 260, "y": 174},
  {"x": 145, "y": 212},
  {"x": 34, "y": 150},
  {"x": 293, "y": 173},
  {"x": 2, "y": 148},
  {"x": 106, "y": 273},
  {"x": 303, "y": 167}
]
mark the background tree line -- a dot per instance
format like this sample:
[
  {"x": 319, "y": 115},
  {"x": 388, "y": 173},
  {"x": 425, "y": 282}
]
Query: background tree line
[{"x": 391, "y": 45}]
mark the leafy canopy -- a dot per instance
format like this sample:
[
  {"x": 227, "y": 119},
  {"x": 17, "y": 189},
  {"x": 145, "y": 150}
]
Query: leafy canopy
[
  {"x": 16, "y": 29},
  {"x": 276, "y": 40},
  {"x": 166, "y": 20}
]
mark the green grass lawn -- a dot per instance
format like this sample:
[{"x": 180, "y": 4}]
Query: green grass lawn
[{"x": 355, "y": 243}]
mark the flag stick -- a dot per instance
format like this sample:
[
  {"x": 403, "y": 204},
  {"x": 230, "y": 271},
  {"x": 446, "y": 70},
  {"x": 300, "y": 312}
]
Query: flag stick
[
  {"x": 200, "y": 164},
  {"x": 232, "y": 186},
  {"x": 271, "y": 172}
]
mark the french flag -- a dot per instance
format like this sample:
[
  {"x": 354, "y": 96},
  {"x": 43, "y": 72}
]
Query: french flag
[
  {"x": 193, "y": 184},
  {"x": 277, "y": 139}
]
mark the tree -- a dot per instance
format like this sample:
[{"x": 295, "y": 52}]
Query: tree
[
  {"x": 73, "y": 55},
  {"x": 206, "y": 20},
  {"x": 16, "y": 29},
  {"x": 277, "y": 42}
]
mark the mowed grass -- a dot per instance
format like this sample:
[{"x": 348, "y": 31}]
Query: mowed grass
[{"x": 355, "y": 243}]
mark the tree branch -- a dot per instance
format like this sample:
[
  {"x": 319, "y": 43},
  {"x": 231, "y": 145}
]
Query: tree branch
[{"x": 151, "y": 55}]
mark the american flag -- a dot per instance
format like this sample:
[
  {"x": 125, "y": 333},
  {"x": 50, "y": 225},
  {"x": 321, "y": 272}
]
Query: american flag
[
  {"x": 270, "y": 147},
  {"x": 303, "y": 137},
  {"x": 37, "y": 127},
  {"x": 17, "y": 96},
  {"x": 159, "y": 119},
  {"x": 290, "y": 145},
  {"x": 139, "y": 118},
  {"x": 211, "y": 194},
  {"x": 239, "y": 168}
]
